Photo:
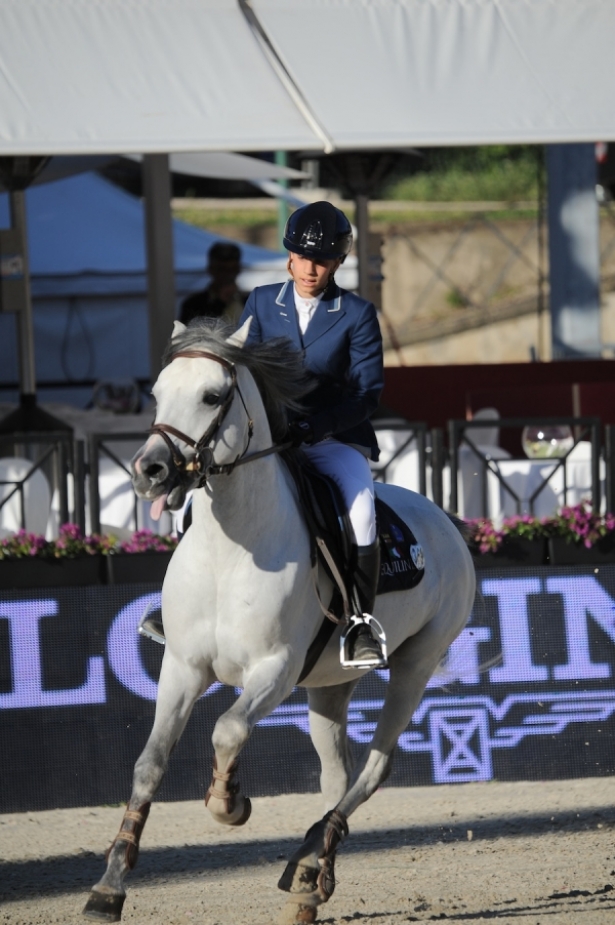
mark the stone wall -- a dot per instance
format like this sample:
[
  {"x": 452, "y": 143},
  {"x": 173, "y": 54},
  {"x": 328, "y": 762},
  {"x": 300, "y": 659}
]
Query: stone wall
[{"x": 459, "y": 287}]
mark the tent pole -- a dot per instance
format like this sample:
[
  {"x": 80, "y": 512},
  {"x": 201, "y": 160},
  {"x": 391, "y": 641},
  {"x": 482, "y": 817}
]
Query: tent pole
[
  {"x": 160, "y": 263},
  {"x": 283, "y": 210},
  {"x": 25, "y": 329},
  {"x": 574, "y": 251},
  {"x": 362, "y": 223}
]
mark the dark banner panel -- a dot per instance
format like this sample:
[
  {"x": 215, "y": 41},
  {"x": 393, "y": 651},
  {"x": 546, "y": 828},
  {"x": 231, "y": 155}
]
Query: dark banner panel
[{"x": 526, "y": 693}]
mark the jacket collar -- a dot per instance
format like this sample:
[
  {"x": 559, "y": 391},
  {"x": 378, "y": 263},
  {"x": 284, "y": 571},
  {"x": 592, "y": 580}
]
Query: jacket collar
[{"x": 327, "y": 314}]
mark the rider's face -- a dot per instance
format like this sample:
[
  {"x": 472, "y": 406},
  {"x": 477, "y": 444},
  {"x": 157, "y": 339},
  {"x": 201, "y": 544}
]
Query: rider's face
[{"x": 310, "y": 276}]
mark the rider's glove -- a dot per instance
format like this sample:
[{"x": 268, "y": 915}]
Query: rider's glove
[{"x": 300, "y": 432}]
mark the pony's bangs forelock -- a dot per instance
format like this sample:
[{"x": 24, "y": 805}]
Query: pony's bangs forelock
[{"x": 276, "y": 365}]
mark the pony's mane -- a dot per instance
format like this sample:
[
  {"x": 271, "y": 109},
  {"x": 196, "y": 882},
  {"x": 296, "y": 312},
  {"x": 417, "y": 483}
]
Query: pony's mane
[{"x": 276, "y": 366}]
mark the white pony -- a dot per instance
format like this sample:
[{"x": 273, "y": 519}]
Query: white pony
[{"x": 239, "y": 604}]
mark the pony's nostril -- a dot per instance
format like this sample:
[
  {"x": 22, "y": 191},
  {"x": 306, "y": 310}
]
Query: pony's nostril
[{"x": 156, "y": 472}]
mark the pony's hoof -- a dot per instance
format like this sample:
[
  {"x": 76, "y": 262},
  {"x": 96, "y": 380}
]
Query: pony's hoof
[
  {"x": 299, "y": 878},
  {"x": 106, "y": 907},
  {"x": 246, "y": 812},
  {"x": 298, "y": 914},
  {"x": 239, "y": 816}
]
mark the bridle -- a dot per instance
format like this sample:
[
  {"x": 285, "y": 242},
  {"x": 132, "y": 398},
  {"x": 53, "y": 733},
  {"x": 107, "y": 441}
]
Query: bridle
[{"x": 203, "y": 463}]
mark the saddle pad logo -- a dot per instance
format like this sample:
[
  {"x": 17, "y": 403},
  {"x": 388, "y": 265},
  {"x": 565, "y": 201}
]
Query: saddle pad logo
[
  {"x": 403, "y": 560},
  {"x": 418, "y": 556}
]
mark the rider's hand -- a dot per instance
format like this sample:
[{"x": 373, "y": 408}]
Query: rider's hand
[{"x": 300, "y": 432}]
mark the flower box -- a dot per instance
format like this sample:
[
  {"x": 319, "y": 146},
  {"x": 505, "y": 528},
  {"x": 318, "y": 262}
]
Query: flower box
[
  {"x": 512, "y": 552},
  {"x": 31, "y": 561},
  {"x": 33, "y": 572},
  {"x": 137, "y": 567},
  {"x": 565, "y": 552}
]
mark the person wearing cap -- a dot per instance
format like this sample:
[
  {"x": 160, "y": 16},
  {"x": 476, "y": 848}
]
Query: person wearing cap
[
  {"x": 339, "y": 336},
  {"x": 222, "y": 297}
]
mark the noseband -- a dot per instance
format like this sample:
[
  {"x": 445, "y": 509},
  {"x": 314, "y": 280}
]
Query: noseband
[{"x": 203, "y": 460}]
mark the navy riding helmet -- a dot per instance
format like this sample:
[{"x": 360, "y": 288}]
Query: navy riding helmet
[{"x": 318, "y": 230}]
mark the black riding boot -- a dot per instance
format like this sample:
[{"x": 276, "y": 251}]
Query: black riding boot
[{"x": 362, "y": 644}]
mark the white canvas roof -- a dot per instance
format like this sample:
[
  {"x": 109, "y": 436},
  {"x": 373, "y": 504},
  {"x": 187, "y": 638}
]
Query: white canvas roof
[
  {"x": 397, "y": 73},
  {"x": 205, "y": 75},
  {"x": 138, "y": 76}
]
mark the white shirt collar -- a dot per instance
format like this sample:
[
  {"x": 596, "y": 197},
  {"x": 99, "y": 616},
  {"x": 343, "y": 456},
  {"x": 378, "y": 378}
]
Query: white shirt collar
[{"x": 305, "y": 308}]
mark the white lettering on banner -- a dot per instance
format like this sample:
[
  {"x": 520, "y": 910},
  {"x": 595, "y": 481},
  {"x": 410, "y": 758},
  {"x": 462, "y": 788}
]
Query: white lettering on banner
[
  {"x": 517, "y": 665},
  {"x": 23, "y": 617},
  {"x": 583, "y": 597},
  {"x": 579, "y": 598},
  {"x": 123, "y": 647}
]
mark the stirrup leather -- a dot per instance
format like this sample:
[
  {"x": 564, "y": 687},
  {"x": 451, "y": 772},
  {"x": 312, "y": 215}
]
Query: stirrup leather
[{"x": 377, "y": 631}]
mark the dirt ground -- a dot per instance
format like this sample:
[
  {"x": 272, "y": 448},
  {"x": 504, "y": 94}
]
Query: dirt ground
[{"x": 525, "y": 853}]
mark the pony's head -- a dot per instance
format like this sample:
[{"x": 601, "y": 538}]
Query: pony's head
[{"x": 214, "y": 395}]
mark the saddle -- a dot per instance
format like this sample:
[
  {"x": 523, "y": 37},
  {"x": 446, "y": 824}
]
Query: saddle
[{"x": 332, "y": 541}]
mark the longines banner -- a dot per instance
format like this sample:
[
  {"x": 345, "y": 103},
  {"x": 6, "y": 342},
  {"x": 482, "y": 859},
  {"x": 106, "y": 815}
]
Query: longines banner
[{"x": 527, "y": 693}]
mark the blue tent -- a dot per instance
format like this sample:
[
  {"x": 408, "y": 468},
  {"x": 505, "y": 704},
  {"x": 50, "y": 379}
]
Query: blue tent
[{"x": 88, "y": 273}]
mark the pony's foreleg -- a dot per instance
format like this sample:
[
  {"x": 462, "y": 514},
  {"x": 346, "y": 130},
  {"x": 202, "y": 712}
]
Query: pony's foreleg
[
  {"x": 178, "y": 690},
  {"x": 266, "y": 687}
]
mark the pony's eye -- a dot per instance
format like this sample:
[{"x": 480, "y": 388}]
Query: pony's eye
[{"x": 211, "y": 398}]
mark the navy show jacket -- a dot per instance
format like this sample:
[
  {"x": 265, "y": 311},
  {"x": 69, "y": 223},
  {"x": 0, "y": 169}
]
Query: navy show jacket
[{"x": 342, "y": 348}]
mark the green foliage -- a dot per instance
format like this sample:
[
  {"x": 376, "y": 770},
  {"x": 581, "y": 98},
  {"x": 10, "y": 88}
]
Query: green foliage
[
  {"x": 457, "y": 299},
  {"x": 500, "y": 173}
]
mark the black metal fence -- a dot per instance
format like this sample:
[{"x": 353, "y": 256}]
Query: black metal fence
[
  {"x": 439, "y": 461},
  {"x": 583, "y": 428},
  {"x": 73, "y": 467},
  {"x": 49, "y": 453},
  {"x": 99, "y": 445}
]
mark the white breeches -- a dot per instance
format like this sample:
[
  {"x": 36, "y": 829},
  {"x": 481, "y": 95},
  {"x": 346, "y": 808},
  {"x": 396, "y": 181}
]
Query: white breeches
[{"x": 350, "y": 470}]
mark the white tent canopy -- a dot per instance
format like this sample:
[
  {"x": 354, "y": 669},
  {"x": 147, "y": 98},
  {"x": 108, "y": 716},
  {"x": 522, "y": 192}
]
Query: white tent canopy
[
  {"x": 397, "y": 73},
  {"x": 193, "y": 75},
  {"x": 138, "y": 76}
]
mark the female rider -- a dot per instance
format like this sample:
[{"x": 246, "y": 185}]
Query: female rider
[{"x": 339, "y": 336}]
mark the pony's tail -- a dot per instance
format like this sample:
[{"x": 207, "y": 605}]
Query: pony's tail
[{"x": 464, "y": 528}]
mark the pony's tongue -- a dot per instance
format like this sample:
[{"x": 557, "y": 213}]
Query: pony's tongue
[{"x": 158, "y": 507}]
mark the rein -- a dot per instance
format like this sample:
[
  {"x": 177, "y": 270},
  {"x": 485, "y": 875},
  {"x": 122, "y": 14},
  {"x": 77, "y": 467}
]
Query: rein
[{"x": 203, "y": 462}]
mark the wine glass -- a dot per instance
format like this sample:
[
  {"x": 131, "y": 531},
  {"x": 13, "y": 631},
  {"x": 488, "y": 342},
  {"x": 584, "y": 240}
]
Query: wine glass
[{"x": 549, "y": 442}]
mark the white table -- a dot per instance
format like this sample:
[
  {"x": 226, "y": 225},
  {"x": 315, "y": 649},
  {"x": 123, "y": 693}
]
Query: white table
[{"x": 523, "y": 478}]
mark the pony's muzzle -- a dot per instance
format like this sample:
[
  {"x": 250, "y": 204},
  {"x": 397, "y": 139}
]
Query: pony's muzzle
[{"x": 150, "y": 470}]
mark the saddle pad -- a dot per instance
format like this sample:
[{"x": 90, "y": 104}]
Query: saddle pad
[{"x": 402, "y": 562}]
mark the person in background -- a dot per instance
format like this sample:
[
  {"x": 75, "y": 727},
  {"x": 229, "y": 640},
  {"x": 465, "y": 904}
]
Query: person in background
[
  {"x": 339, "y": 335},
  {"x": 222, "y": 297}
]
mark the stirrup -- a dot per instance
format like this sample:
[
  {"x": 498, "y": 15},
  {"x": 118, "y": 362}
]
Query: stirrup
[
  {"x": 152, "y": 628},
  {"x": 377, "y": 631}
]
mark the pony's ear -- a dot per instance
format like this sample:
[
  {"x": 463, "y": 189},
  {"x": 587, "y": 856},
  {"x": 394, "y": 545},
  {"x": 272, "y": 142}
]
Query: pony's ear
[
  {"x": 239, "y": 338},
  {"x": 178, "y": 328}
]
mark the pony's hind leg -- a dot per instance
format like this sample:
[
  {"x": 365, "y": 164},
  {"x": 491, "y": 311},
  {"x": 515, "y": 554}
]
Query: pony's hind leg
[
  {"x": 309, "y": 876},
  {"x": 411, "y": 667},
  {"x": 178, "y": 689},
  {"x": 328, "y": 716}
]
